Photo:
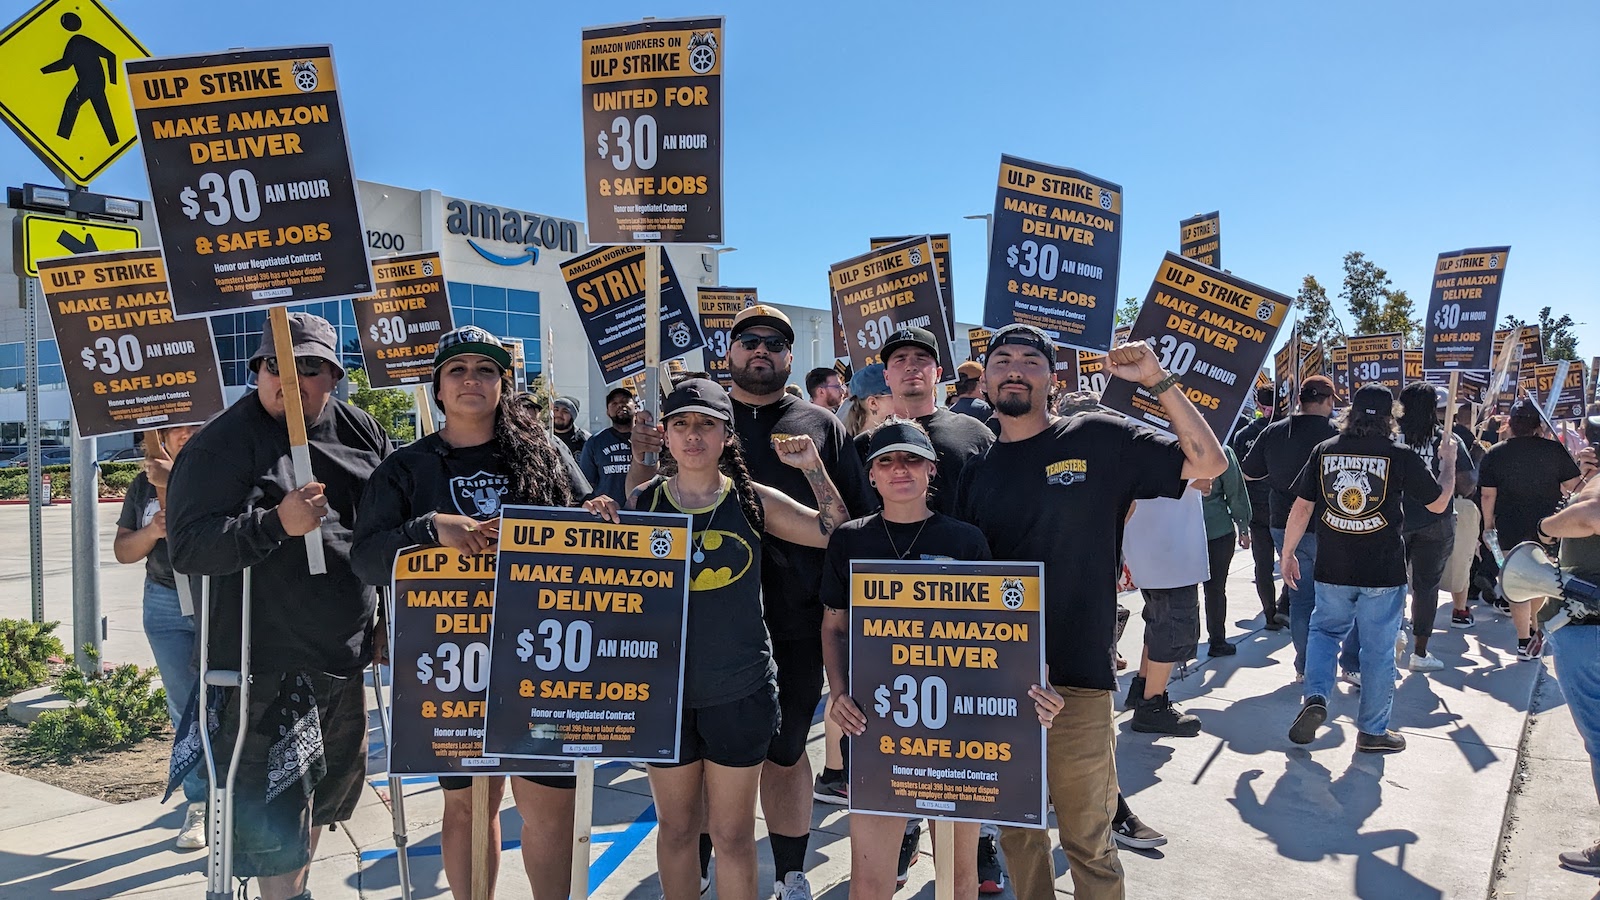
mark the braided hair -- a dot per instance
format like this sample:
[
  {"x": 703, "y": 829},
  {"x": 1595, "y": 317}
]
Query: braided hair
[
  {"x": 538, "y": 474},
  {"x": 731, "y": 464}
]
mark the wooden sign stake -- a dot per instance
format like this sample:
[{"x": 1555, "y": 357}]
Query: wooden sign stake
[
  {"x": 582, "y": 824},
  {"x": 295, "y": 417}
]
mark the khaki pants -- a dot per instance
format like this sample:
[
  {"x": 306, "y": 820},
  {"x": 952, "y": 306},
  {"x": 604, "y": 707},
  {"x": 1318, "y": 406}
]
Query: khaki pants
[{"x": 1081, "y": 769}]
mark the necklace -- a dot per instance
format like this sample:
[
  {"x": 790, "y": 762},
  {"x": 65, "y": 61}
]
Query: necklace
[
  {"x": 887, "y": 534},
  {"x": 699, "y": 540}
]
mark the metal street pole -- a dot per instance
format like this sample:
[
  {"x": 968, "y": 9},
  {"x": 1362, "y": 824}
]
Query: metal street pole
[
  {"x": 88, "y": 625},
  {"x": 988, "y": 231},
  {"x": 36, "y": 499}
]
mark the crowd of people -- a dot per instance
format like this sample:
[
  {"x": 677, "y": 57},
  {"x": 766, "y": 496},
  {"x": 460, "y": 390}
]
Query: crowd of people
[{"x": 1357, "y": 500}]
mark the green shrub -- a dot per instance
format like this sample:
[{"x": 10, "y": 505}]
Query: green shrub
[
  {"x": 24, "y": 649},
  {"x": 117, "y": 709},
  {"x": 116, "y": 476}
]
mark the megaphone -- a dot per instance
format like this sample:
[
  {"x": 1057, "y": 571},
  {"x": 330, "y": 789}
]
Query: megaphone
[{"x": 1529, "y": 574}]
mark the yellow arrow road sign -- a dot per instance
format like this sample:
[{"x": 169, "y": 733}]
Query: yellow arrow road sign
[
  {"x": 46, "y": 237},
  {"x": 62, "y": 88}
]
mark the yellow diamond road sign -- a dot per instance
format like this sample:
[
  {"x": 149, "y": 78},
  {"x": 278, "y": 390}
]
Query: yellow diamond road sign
[
  {"x": 62, "y": 88},
  {"x": 47, "y": 237}
]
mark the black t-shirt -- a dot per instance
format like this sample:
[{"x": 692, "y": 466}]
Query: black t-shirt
[
  {"x": 1417, "y": 514},
  {"x": 956, "y": 440},
  {"x": 1060, "y": 497},
  {"x": 429, "y": 476},
  {"x": 574, "y": 440},
  {"x": 1357, "y": 484},
  {"x": 976, "y": 407},
  {"x": 604, "y": 462},
  {"x": 1278, "y": 455},
  {"x": 138, "y": 508},
  {"x": 1526, "y": 473},
  {"x": 789, "y": 572},
  {"x": 1259, "y": 491},
  {"x": 726, "y": 654},
  {"x": 873, "y": 537}
]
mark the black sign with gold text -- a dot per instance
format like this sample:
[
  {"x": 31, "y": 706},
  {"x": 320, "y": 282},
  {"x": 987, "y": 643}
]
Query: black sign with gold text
[
  {"x": 442, "y": 614},
  {"x": 1569, "y": 398},
  {"x": 586, "y": 652},
  {"x": 1210, "y": 329},
  {"x": 250, "y": 172},
  {"x": 129, "y": 364},
  {"x": 652, "y": 131},
  {"x": 607, "y": 285},
  {"x": 400, "y": 322},
  {"x": 887, "y": 289},
  {"x": 942, "y": 655},
  {"x": 1377, "y": 359},
  {"x": 941, "y": 258},
  {"x": 1462, "y": 308},
  {"x": 1200, "y": 239},
  {"x": 718, "y": 306},
  {"x": 1339, "y": 370},
  {"x": 978, "y": 344},
  {"x": 1413, "y": 366},
  {"x": 1054, "y": 254}
]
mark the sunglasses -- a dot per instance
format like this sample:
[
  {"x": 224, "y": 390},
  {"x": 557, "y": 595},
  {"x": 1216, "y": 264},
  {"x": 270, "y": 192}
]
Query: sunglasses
[
  {"x": 307, "y": 366},
  {"x": 774, "y": 343}
]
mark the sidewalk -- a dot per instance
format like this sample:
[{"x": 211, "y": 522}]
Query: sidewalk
[{"x": 1248, "y": 814}]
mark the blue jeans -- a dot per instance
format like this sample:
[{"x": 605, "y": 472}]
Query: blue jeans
[
  {"x": 1577, "y": 650},
  {"x": 1302, "y": 599},
  {"x": 1375, "y": 613},
  {"x": 172, "y": 639}
]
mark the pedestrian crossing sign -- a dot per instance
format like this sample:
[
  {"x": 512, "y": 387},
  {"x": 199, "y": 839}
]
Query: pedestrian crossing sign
[{"x": 62, "y": 88}]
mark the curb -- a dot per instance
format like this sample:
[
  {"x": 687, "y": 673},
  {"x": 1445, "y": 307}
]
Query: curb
[
  {"x": 64, "y": 501},
  {"x": 1519, "y": 774}
]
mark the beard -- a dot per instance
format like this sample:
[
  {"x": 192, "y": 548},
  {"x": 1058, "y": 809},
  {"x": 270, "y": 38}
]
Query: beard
[
  {"x": 1014, "y": 405},
  {"x": 760, "y": 383},
  {"x": 621, "y": 423}
]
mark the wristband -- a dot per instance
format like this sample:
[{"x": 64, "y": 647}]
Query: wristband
[
  {"x": 1156, "y": 389},
  {"x": 430, "y": 527}
]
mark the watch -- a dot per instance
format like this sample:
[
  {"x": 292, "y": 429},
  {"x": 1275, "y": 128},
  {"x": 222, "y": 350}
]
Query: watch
[
  {"x": 430, "y": 528},
  {"x": 1156, "y": 389}
]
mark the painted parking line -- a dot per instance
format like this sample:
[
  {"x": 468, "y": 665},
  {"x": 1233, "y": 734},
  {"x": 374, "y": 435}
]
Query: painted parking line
[{"x": 382, "y": 781}]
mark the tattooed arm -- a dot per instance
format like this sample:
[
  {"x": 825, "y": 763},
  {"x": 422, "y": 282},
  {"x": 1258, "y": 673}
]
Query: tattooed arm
[{"x": 790, "y": 520}]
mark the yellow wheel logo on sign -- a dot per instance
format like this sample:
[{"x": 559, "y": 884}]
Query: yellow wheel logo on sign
[
  {"x": 47, "y": 237},
  {"x": 62, "y": 89}
]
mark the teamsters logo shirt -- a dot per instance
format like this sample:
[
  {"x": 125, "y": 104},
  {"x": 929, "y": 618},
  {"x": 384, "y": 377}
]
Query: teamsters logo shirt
[
  {"x": 1354, "y": 488},
  {"x": 1357, "y": 485}
]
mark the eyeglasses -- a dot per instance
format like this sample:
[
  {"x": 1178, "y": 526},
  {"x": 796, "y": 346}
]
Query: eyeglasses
[
  {"x": 307, "y": 366},
  {"x": 774, "y": 343}
]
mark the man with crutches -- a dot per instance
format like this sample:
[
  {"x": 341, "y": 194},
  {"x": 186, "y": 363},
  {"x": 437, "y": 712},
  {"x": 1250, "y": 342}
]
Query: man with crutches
[{"x": 243, "y": 517}]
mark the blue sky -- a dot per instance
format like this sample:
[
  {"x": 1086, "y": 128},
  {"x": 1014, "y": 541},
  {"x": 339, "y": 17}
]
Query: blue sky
[{"x": 1398, "y": 129}]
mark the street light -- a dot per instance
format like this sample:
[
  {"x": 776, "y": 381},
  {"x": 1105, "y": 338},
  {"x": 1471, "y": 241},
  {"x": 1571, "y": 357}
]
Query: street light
[
  {"x": 705, "y": 261},
  {"x": 988, "y": 228}
]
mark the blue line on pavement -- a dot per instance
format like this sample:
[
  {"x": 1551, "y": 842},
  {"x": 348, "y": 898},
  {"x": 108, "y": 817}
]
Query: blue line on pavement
[{"x": 382, "y": 781}]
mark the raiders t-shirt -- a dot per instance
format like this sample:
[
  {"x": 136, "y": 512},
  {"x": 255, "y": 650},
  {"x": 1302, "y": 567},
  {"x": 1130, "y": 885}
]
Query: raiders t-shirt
[
  {"x": 938, "y": 537},
  {"x": 1358, "y": 485},
  {"x": 1060, "y": 497}
]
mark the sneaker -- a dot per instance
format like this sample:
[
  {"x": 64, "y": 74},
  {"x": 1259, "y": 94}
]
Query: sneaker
[
  {"x": 991, "y": 876},
  {"x": 1311, "y": 717},
  {"x": 1501, "y": 604},
  {"x": 1533, "y": 648},
  {"x": 1157, "y": 715},
  {"x": 1282, "y": 619},
  {"x": 1586, "y": 860},
  {"x": 794, "y": 886},
  {"x": 1425, "y": 663},
  {"x": 1136, "y": 835},
  {"x": 908, "y": 854},
  {"x": 192, "y": 836},
  {"x": 1461, "y": 618},
  {"x": 1223, "y": 648},
  {"x": 1351, "y": 678},
  {"x": 1271, "y": 618},
  {"x": 835, "y": 790},
  {"x": 1388, "y": 742},
  {"x": 1299, "y": 678},
  {"x": 1135, "y": 693}
]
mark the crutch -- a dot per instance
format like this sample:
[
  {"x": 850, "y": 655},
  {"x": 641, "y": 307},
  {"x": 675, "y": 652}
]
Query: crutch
[
  {"x": 397, "y": 804},
  {"x": 219, "y": 812}
]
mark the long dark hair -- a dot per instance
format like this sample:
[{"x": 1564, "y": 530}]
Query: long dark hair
[
  {"x": 1419, "y": 417},
  {"x": 731, "y": 464},
  {"x": 538, "y": 474},
  {"x": 1355, "y": 423}
]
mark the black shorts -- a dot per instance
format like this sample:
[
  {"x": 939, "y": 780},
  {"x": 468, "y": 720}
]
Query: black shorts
[
  {"x": 800, "y": 676},
  {"x": 458, "y": 782},
  {"x": 1172, "y": 623},
  {"x": 733, "y": 734},
  {"x": 274, "y": 838}
]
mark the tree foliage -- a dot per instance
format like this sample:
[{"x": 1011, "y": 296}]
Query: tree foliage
[
  {"x": 1319, "y": 323},
  {"x": 1558, "y": 334},
  {"x": 1127, "y": 311},
  {"x": 392, "y": 407},
  {"x": 1375, "y": 306}
]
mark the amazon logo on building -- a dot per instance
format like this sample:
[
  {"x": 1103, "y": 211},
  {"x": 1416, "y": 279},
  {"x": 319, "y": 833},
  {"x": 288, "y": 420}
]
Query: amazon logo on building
[{"x": 477, "y": 222}]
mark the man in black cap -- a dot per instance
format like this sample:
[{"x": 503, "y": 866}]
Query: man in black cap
[
  {"x": 607, "y": 455},
  {"x": 1058, "y": 490},
  {"x": 1277, "y": 456},
  {"x": 1355, "y": 485},
  {"x": 760, "y": 360},
  {"x": 564, "y": 415},
  {"x": 1523, "y": 479},
  {"x": 233, "y": 503},
  {"x": 1262, "y": 550}
]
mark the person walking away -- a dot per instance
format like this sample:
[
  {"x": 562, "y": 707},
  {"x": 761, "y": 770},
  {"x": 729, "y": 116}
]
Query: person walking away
[
  {"x": 1430, "y": 538},
  {"x": 1165, "y": 551},
  {"x": 1354, "y": 485},
  {"x": 1228, "y": 515},
  {"x": 1263, "y": 551}
]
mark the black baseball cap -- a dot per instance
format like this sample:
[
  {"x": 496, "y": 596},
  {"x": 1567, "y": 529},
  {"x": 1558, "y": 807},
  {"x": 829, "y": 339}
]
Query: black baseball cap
[
  {"x": 1525, "y": 409},
  {"x": 618, "y": 390},
  {"x": 701, "y": 395},
  {"x": 911, "y": 336},
  {"x": 892, "y": 436},
  {"x": 1374, "y": 400},
  {"x": 1025, "y": 336},
  {"x": 471, "y": 339}
]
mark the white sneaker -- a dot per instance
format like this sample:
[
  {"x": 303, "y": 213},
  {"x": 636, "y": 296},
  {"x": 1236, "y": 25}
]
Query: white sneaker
[
  {"x": 193, "y": 834},
  {"x": 1351, "y": 678},
  {"x": 1425, "y": 663},
  {"x": 794, "y": 886}
]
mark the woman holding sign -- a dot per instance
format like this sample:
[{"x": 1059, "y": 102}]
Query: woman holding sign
[
  {"x": 900, "y": 463},
  {"x": 447, "y": 488},
  {"x": 730, "y": 708}
]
